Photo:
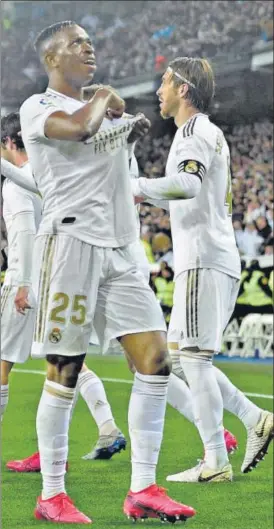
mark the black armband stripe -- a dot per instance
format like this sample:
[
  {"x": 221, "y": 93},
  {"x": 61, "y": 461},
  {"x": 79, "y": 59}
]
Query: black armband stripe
[{"x": 192, "y": 167}]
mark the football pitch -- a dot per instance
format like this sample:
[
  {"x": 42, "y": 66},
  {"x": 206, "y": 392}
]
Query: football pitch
[{"x": 99, "y": 487}]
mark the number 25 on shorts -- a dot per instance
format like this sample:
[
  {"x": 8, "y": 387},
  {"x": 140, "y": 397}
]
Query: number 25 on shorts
[{"x": 63, "y": 301}]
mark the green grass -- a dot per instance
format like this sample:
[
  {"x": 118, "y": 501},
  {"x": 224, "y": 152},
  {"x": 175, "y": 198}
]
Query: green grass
[{"x": 99, "y": 487}]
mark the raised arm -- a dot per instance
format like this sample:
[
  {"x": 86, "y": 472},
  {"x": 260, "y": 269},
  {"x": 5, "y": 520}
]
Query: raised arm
[
  {"x": 86, "y": 121},
  {"x": 193, "y": 158},
  {"x": 45, "y": 118},
  {"x": 18, "y": 176}
]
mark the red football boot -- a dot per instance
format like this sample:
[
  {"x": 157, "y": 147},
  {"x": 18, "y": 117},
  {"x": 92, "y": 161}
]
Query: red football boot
[
  {"x": 153, "y": 502},
  {"x": 59, "y": 509},
  {"x": 230, "y": 441},
  {"x": 29, "y": 464}
]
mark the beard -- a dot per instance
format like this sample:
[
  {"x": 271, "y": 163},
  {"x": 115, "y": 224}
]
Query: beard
[{"x": 164, "y": 114}]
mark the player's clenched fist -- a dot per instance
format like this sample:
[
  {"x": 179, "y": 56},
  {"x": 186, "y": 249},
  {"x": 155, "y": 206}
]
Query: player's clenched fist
[
  {"x": 116, "y": 103},
  {"x": 140, "y": 128}
]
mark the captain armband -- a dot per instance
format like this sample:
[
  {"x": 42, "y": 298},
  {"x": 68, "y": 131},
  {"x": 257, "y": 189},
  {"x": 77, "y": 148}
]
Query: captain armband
[{"x": 192, "y": 167}]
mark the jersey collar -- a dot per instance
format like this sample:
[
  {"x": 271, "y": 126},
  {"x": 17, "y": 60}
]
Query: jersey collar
[{"x": 50, "y": 91}]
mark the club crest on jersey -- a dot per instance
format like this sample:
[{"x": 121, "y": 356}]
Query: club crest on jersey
[
  {"x": 191, "y": 167},
  {"x": 55, "y": 335}
]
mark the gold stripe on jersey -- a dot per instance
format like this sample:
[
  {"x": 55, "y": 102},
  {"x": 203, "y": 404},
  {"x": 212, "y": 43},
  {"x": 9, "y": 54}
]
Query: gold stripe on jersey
[
  {"x": 196, "y": 301},
  {"x": 188, "y": 301},
  {"x": 44, "y": 271},
  {"x": 188, "y": 129},
  {"x": 51, "y": 252},
  {"x": 4, "y": 296},
  {"x": 192, "y": 292},
  {"x": 192, "y": 301}
]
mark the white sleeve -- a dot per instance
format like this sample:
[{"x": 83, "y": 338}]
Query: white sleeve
[
  {"x": 193, "y": 159},
  {"x": 33, "y": 115},
  {"x": 133, "y": 167},
  {"x": 22, "y": 210},
  {"x": 24, "y": 225},
  {"x": 19, "y": 201},
  {"x": 134, "y": 173},
  {"x": 18, "y": 176}
]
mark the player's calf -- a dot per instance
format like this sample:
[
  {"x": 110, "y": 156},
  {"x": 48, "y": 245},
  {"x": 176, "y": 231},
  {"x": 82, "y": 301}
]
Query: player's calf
[
  {"x": 6, "y": 368},
  {"x": 53, "y": 418}
]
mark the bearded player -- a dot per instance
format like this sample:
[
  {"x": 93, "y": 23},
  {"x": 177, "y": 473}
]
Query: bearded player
[{"x": 207, "y": 265}]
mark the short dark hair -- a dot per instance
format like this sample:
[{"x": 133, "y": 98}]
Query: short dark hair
[
  {"x": 10, "y": 128},
  {"x": 49, "y": 32},
  {"x": 198, "y": 75}
]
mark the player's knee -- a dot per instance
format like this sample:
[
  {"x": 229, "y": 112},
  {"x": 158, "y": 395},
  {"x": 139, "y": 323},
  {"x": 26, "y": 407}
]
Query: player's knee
[
  {"x": 157, "y": 362},
  {"x": 64, "y": 369},
  {"x": 6, "y": 368}
]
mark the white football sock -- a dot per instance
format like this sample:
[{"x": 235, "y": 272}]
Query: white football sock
[
  {"x": 178, "y": 393},
  {"x": 93, "y": 392},
  {"x": 236, "y": 402},
  {"x": 146, "y": 416},
  {"x": 207, "y": 406},
  {"x": 4, "y": 399},
  {"x": 179, "y": 397},
  {"x": 52, "y": 424},
  {"x": 74, "y": 401}
]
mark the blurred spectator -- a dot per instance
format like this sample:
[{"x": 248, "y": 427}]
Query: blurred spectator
[
  {"x": 263, "y": 227},
  {"x": 255, "y": 294},
  {"x": 146, "y": 240},
  {"x": 162, "y": 248},
  {"x": 164, "y": 288},
  {"x": 249, "y": 242},
  {"x": 269, "y": 216}
]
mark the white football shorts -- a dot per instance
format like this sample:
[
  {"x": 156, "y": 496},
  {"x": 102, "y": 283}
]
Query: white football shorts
[
  {"x": 138, "y": 257},
  {"x": 203, "y": 302},
  {"x": 78, "y": 287},
  {"x": 16, "y": 328}
]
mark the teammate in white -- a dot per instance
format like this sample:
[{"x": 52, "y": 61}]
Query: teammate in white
[
  {"x": 22, "y": 213},
  {"x": 80, "y": 164},
  {"x": 207, "y": 264},
  {"x": 179, "y": 395},
  {"x": 22, "y": 210}
]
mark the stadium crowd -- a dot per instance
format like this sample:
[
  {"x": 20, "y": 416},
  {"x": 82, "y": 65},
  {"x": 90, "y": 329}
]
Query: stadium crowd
[{"x": 136, "y": 40}]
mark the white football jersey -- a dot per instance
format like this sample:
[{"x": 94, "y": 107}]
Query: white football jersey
[
  {"x": 85, "y": 186},
  {"x": 202, "y": 231},
  {"x": 17, "y": 200}
]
